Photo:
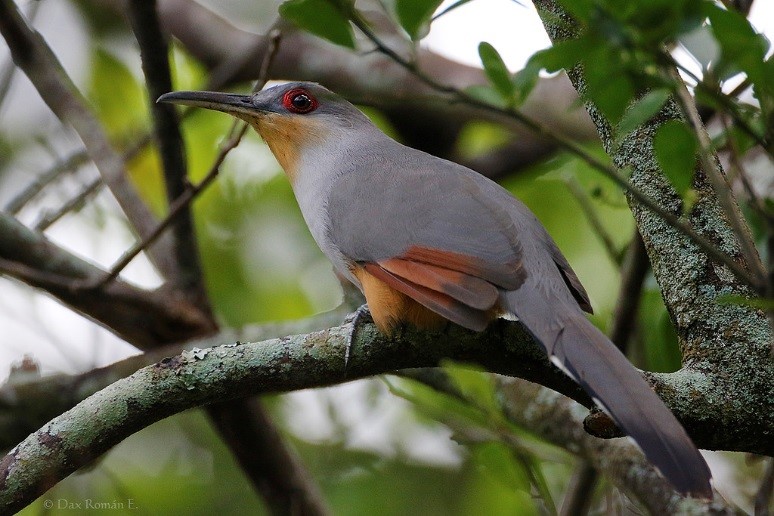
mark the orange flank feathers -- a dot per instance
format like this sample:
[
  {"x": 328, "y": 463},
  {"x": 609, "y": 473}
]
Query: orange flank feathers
[{"x": 390, "y": 308}]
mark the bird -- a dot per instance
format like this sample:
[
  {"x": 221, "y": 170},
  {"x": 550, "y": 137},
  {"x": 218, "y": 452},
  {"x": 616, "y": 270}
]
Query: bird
[{"x": 429, "y": 241}]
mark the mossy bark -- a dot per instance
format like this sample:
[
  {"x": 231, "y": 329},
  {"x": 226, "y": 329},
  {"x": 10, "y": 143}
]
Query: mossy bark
[{"x": 728, "y": 372}]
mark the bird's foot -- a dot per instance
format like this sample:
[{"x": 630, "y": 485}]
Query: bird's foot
[{"x": 357, "y": 318}]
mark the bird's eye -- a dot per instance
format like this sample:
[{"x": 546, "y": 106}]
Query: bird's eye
[{"x": 299, "y": 101}]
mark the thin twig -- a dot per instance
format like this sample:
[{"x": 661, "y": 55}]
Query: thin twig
[
  {"x": 9, "y": 70},
  {"x": 31, "y": 53},
  {"x": 596, "y": 225},
  {"x": 634, "y": 271},
  {"x": 725, "y": 100},
  {"x": 74, "y": 204},
  {"x": 721, "y": 187},
  {"x": 738, "y": 170},
  {"x": 763, "y": 213},
  {"x": 175, "y": 208},
  {"x": 237, "y": 131},
  {"x": 70, "y": 164},
  {"x": 565, "y": 143}
]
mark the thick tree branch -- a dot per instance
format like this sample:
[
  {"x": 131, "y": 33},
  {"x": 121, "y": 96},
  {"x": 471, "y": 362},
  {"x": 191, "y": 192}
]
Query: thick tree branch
[
  {"x": 26, "y": 404},
  {"x": 200, "y": 377},
  {"x": 31, "y": 53},
  {"x": 725, "y": 347},
  {"x": 140, "y": 317}
]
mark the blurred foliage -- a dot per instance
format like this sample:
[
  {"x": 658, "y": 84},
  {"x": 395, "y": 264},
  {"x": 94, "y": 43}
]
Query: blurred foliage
[
  {"x": 323, "y": 18},
  {"x": 261, "y": 264}
]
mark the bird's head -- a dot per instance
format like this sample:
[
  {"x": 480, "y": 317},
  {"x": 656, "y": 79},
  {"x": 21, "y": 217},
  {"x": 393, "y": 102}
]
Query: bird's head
[{"x": 290, "y": 117}]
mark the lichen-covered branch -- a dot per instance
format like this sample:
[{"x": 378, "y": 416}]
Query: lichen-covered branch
[
  {"x": 26, "y": 404},
  {"x": 200, "y": 377},
  {"x": 213, "y": 375},
  {"x": 728, "y": 371},
  {"x": 557, "y": 419}
]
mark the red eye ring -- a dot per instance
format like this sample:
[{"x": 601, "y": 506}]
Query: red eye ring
[{"x": 299, "y": 101}]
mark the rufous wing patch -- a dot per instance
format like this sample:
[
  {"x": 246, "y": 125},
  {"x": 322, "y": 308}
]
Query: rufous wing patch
[
  {"x": 508, "y": 276},
  {"x": 470, "y": 290},
  {"x": 437, "y": 301}
]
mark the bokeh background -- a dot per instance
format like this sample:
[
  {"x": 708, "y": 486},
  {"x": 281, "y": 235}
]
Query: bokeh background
[{"x": 382, "y": 446}]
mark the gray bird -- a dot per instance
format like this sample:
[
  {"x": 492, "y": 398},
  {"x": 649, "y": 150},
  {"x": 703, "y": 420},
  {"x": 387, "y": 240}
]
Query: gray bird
[{"x": 428, "y": 240}]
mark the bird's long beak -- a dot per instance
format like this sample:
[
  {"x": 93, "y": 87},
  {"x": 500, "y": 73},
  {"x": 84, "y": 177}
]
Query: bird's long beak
[{"x": 230, "y": 103}]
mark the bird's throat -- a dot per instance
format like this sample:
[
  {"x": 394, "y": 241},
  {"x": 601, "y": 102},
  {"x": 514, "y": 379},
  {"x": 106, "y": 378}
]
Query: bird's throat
[{"x": 287, "y": 138}]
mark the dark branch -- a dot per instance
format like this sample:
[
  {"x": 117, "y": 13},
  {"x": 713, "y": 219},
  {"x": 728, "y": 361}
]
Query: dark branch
[
  {"x": 155, "y": 65},
  {"x": 142, "y": 318}
]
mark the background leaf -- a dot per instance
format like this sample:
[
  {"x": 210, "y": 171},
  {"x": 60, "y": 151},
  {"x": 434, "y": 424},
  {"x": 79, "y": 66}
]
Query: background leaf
[
  {"x": 676, "y": 154},
  {"x": 320, "y": 17},
  {"x": 414, "y": 15},
  {"x": 496, "y": 71},
  {"x": 642, "y": 110}
]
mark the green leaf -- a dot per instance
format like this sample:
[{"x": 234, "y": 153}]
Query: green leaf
[
  {"x": 562, "y": 55},
  {"x": 742, "y": 49},
  {"x": 496, "y": 71},
  {"x": 486, "y": 94},
  {"x": 473, "y": 384},
  {"x": 611, "y": 96},
  {"x": 675, "y": 148},
  {"x": 324, "y": 18},
  {"x": 414, "y": 15},
  {"x": 524, "y": 82},
  {"x": 642, "y": 110},
  {"x": 497, "y": 461},
  {"x": 581, "y": 10}
]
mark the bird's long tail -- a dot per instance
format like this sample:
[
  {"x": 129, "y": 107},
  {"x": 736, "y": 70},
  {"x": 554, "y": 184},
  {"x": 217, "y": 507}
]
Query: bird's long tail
[{"x": 592, "y": 360}]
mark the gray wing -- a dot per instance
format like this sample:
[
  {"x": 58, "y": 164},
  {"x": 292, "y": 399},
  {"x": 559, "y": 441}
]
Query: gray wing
[
  {"x": 426, "y": 210},
  {"x": 434, "y": 207},
  {"x": 421, "y": 204}
]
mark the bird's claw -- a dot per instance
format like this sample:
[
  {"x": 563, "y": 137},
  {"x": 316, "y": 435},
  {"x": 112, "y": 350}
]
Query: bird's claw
[{"x": 356, "y": 319}]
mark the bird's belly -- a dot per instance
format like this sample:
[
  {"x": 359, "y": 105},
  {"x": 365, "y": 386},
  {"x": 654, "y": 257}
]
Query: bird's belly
[{"x": 318, "y": 222}]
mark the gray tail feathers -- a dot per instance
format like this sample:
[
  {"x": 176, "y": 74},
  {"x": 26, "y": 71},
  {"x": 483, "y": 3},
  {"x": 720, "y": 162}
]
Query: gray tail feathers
[{"x": 592, "y": 360}]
